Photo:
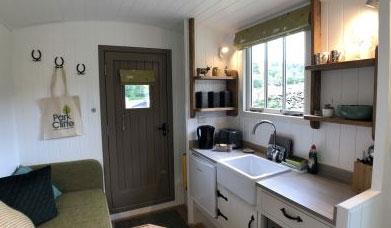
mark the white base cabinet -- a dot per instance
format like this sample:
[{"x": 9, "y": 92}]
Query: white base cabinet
[
  {"x": 238, "y": 213},
  {"x": 285, "y": 214},
  {"x": 203, "y": 183}
]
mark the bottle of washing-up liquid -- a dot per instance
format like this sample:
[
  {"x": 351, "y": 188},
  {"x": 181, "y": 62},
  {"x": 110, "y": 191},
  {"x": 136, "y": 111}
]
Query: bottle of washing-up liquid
[{"x": 313, "y": 166}]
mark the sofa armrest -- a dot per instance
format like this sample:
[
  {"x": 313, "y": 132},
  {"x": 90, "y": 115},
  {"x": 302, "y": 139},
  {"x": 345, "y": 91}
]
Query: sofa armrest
[{"x": 76, "y": 175}]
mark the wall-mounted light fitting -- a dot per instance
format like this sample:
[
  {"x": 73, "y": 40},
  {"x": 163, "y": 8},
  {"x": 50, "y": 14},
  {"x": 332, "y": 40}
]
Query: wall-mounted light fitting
[
  {"x": 223, "y": 51},
  {"x": 372, "y": 3}
]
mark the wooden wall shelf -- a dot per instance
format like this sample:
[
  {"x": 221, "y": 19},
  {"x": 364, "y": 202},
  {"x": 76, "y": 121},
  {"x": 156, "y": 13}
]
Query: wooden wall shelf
[
  {"x": 342, "y": 65},
  {"x": 338, "y": 120},
  {"x": 316, "y": 75},
  {"x": 232, "y": 82},
  {"x": 215, "y": 78}
]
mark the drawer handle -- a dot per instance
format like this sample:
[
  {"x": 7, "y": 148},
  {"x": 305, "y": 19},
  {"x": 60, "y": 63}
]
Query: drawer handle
[
  {"x": 221, "y": 195},
  {"x": 221, "y": 214},
  {"x": 298, "y": 219},
  {"x": 252, "y": 219}
]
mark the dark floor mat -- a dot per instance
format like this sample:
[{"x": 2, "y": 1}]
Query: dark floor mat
[{"x": 169, "y": 219}]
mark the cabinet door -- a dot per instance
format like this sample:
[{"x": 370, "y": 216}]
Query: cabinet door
[
  {"x": 203, "y": 184},
  {"x": 240, "y": 214},
  {"x": 243, "y": 214},
  {"x": 223, "y": 204}
]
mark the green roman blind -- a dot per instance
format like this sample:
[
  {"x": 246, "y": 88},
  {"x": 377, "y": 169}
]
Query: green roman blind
[
  {"x": 294, "y": 21},
  {"x": 137, "y": 77}
]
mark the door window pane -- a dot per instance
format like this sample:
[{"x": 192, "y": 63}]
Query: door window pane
[
  {"x": 258, "y": 76},
  {"x": 137, "y": 96},
  {"x": 295, "y": 60},
  {"x": 275, "y": 74}
]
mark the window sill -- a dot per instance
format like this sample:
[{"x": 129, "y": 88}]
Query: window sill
[{"x": 282, "y": 117}]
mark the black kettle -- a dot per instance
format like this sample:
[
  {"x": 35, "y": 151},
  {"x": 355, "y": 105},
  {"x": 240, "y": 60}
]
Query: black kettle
[{"x": 205, "y": 136}]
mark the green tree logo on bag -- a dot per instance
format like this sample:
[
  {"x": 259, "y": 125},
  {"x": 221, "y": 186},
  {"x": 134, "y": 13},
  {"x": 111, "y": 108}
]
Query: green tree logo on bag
[
  {"x": 66, "y": 110},
  {"x": 63, "y": 120}
]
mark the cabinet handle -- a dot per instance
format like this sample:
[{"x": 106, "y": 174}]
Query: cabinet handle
[
  {"x": 221, "y": 214},
  {"x": 221, "y": 195},
  {"x": 297, "y": 218},
  {"x": 252, "y": 219}
]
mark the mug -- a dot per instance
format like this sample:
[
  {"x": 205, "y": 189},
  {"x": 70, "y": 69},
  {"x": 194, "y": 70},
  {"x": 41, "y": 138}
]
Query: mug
[
  {"x": 335, "y": 56},
  {"x": 317, "y": 58},
  {"x": 324, "y": 57},
  {"x": 321, "y": 58}
]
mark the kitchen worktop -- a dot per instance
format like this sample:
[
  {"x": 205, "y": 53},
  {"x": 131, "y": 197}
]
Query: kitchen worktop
[
  {"x": 314, "y": 193},
  {"x": 317, "y": 194}
]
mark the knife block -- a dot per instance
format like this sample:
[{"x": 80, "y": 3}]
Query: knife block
[{"x": 362, "y": 177}]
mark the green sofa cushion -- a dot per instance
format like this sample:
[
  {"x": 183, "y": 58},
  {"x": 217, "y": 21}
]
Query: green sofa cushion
[{"x": 87, "y": 209}]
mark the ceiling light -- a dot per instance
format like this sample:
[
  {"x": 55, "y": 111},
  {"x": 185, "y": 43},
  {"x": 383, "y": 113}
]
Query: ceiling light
[{"x": 373, "y": 3}]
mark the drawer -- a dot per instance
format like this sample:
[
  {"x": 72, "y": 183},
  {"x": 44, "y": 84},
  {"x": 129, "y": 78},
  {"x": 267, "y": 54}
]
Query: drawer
[{"x": 277, "y": 209}]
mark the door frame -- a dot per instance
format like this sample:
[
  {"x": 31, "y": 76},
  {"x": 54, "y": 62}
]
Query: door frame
[{"x": 102, "y": 49}]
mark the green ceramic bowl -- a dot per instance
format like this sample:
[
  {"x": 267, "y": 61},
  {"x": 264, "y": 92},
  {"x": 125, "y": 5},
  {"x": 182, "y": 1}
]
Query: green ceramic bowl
[{"x": 355, "y": 112}]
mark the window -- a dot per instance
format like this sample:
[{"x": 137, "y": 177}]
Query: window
[
  {"x": 137, "y": 96},
  {"x": 276, "y": 74}
]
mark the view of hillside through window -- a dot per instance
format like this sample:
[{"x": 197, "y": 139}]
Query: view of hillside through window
[
  {"x": 277, "y": 73},
  {"x": 137, "y": 96}
]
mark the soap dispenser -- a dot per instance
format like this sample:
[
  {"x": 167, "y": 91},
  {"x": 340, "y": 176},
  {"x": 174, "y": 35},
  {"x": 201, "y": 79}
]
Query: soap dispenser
[{"x": 313, "y": 166}]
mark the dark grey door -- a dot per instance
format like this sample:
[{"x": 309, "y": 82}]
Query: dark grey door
[{"x": 137, "y": 126}]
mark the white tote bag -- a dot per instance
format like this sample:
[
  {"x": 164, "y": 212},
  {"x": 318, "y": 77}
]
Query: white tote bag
[{"x": 61, "y": 116}]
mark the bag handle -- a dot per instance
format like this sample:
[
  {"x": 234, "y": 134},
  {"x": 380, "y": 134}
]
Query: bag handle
[{"x": 54, "y": 80}]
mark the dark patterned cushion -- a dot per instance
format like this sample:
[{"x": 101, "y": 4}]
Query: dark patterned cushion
[{"x": 30, "y": 194}]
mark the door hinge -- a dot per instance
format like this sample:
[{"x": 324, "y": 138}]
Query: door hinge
[{"x": 105, "y": 69}]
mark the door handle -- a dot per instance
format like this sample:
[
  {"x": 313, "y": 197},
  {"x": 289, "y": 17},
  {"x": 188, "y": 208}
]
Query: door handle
[
  {"x": 221, "y": 196},
  {"x": 221, "y": 214},
  {"x": 297, "y": 218},
  {"x": 252, "y": 219},
  {"x": 164, "y": 129}
]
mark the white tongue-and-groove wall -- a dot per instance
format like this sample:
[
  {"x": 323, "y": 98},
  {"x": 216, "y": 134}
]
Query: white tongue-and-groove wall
[
  {"x": 338, "y": 145},
  {"x": 207, "y": 44},
  {"x": 77, "y": 42},
  {"x": 9, "y": 158}
]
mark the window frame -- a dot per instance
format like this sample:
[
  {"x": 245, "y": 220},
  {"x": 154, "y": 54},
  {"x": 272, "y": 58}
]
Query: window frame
[{"x": 248, "y": 81}]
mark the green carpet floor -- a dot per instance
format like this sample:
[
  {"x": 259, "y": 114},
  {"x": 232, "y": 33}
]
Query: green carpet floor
[{"x": 169, "y": 219}]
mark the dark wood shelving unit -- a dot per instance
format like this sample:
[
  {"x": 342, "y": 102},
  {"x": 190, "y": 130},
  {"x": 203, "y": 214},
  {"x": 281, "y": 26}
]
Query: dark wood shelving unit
[
  {"x": 338, "y": 120},
  {"x": 343, "y": 65},
  {"x": 232, "y": 83},
  {"x": 316, "y": 76}
]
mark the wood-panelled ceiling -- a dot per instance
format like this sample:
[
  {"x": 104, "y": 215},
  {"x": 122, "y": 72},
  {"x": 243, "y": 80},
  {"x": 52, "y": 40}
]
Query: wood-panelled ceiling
[{"x": 224, "y": 15}]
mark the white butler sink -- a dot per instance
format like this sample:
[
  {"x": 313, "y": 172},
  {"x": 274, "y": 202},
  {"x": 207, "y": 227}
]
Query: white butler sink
[{"x": 239, "y": 174}]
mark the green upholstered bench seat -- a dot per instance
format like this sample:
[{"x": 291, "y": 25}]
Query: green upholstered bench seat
[
  {"x": 83, "y": 203},
  {"x": 86, "y": 209}
]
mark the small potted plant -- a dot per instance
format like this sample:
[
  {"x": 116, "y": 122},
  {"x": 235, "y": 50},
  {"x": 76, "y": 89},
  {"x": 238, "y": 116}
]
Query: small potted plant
[{"x": 328, "y": 111}]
